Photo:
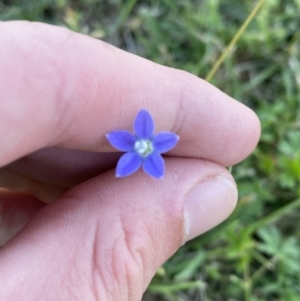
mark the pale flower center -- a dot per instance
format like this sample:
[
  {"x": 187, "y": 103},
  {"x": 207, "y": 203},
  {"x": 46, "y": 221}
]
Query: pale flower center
[{"x": 143, "y": 147}]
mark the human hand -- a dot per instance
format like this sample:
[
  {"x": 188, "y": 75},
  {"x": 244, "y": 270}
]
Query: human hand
[{"x": 103, "y": 237}]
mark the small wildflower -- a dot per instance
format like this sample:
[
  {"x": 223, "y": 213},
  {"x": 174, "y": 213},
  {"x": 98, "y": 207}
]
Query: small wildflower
[{"x": 142, "y": 148}]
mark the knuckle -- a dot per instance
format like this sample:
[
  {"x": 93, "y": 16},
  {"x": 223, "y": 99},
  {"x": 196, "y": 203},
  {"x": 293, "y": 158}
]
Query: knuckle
[{"x": 125, "y": 273}]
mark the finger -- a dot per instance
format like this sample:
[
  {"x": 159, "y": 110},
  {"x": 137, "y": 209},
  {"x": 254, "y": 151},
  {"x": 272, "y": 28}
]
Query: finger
[
  {"x": 64, "y": 167},
  {"x": 66, "y": 89},
  {"x": 105, "y": 238},
  {"x": 15, "y": 212},
  {"x": 20, "y": 183}
]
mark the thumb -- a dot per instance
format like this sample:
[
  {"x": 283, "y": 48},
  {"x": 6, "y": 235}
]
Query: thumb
[{"x": 105, "y": 239}]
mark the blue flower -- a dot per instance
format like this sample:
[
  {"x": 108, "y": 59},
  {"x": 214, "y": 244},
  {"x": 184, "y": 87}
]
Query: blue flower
[{"x": 142, "y": 148}]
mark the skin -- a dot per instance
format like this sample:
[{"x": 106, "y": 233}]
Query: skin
[{"x": 70, "y": 229}]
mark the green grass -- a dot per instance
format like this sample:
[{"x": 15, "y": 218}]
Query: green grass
[{"x": 255, "y": 255}]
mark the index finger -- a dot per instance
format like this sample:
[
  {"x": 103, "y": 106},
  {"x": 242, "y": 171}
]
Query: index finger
[{"x": 65, "y": 89}]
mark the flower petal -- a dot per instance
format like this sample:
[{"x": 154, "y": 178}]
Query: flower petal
[
  {"x": 144, "y": 125},
  {"x": 128, "y": 164},
  {"x": 154, "y": 165},
  {"x": 121, "y": 140},
  {"x": 164, "y": 141}
]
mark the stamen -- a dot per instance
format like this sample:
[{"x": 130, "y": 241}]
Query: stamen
[{"x": 143, "y": 147}]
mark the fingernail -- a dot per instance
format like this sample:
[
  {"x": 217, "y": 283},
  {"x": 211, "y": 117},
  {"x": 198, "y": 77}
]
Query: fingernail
[{"x": 208, "y": 204}]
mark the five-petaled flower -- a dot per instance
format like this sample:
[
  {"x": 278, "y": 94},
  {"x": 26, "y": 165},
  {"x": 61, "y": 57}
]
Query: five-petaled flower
[{"x": 142, "y": 148}]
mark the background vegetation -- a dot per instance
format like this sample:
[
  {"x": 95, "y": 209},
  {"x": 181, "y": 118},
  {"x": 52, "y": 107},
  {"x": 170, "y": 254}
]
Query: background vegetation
[{"x": 255, "y": 255}]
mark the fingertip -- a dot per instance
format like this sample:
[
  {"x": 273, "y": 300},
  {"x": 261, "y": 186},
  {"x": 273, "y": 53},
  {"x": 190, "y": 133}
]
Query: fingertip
[{"x": 209, "y": 203}]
